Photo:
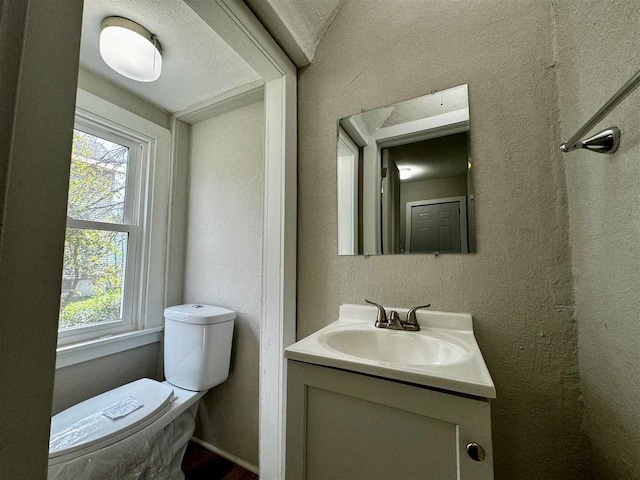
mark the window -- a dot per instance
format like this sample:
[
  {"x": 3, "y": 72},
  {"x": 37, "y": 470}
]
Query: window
[
  {"x": 101, "y": 243},
  {"x": 113, "y": 277}
]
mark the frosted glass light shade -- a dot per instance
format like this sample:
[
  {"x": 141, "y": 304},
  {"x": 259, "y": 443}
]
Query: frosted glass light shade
[
  {"x": 130, "y": 49},
  {"x": 405, "y": 173}
]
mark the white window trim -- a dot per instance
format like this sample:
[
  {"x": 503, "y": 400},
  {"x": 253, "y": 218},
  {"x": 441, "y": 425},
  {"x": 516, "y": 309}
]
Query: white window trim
[
  {"x": 155, "y": 172},
  {"x": 68, "y": 355},
  {"x": 133, "y": 220}
]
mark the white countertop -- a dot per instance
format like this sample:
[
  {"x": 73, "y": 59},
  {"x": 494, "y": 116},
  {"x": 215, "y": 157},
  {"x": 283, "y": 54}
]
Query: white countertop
[{"x": 444, "y": 354}]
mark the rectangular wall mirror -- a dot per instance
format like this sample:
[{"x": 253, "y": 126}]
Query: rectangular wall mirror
[{"x": 404, "y": 178}]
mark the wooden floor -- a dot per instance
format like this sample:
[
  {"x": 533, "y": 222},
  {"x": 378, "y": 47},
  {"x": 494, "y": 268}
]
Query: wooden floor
[{"x": 201, "y": 464}]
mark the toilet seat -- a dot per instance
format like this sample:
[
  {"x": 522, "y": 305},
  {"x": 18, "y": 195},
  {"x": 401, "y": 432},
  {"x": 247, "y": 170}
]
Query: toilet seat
[{"x": 84, "y": 428}]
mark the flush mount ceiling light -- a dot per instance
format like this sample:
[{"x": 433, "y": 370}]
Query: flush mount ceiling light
[
  {"x": 405, "y": 173},
  {"x": 130, "y": 49}
]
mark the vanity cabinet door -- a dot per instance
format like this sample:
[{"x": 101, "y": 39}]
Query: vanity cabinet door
[{"x": 344, "y": 425}]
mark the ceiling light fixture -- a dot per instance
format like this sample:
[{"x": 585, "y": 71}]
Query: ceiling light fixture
[
  {"x": 405, "y": 173},
  {"x": 130, "y": 49}
]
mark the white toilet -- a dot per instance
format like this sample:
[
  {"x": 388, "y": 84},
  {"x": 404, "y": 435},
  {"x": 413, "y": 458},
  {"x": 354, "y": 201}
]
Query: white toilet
[{"x": 141, "y": 430}]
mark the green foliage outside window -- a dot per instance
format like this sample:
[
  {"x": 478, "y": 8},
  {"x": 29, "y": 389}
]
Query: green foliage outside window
[
  {"x": 93, "y": 310},
  {"x": 94, "y": 259}
]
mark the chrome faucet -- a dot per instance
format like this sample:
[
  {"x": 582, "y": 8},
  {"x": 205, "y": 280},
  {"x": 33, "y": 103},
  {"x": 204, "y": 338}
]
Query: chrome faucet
[{"x": 393, "y": 322}]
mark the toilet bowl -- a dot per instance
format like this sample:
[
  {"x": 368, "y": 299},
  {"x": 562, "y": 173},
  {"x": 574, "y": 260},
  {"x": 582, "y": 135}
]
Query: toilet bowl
[{"x": 141, "y": 430}]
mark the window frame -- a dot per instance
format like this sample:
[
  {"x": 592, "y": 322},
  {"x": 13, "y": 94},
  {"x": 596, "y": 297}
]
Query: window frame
[
  {"x": 131, "y": 223},
  {"x": 145, "y": 216}
]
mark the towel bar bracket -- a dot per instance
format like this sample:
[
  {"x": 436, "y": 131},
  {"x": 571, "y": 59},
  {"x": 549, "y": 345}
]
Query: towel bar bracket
[{"x": 606, "y": 141}]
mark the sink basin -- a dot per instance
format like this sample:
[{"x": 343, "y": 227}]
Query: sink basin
[
  {"x": 394, "y": 347},
  {"x": 444, "y": 354}
]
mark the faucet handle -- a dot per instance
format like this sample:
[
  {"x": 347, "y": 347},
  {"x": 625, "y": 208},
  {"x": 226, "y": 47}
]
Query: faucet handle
[
  {"x": 412, "y": 321},
  {"x": 382, "y": 314},
  {"x": 394, "y": 320}
]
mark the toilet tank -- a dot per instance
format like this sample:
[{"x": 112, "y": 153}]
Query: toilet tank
[{"x": 197, "y": 345}]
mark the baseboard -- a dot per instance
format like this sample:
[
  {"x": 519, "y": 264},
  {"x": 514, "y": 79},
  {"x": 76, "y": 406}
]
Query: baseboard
[{"x": 227, "y": 455}]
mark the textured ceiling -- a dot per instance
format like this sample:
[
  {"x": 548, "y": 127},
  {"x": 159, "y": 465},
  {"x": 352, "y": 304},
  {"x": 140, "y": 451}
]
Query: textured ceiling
[
  {"x": 197, "y": 63},
  {"x": 436, "y": 103},
  {"x": 297, "y": 25}
]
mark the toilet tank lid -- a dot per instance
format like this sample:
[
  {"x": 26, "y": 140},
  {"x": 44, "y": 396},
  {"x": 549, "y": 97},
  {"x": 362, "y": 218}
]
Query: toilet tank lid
[{"x": 199, "y": 314}]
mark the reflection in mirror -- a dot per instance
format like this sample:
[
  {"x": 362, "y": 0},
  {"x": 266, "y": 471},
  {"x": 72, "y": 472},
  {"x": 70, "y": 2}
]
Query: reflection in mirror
[{"x": 404, "y": 178}]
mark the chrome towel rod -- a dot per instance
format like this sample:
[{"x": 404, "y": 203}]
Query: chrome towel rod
[{"x": 606, "y": 141}]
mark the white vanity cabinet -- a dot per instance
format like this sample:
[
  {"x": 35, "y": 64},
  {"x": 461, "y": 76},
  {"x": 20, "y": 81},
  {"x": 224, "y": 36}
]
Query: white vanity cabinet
[
  {"x": 374, "y": 403},
  {"x": 347, "y": 425}
]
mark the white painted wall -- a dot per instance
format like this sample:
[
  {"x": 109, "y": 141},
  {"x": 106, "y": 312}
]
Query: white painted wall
[
  {"x": 103, "y": 88},
  {"x": 224, "y": 263}
]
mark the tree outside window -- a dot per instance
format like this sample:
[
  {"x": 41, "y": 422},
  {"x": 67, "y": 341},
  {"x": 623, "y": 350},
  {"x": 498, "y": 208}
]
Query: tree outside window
[{"x": 94, "y": 258}]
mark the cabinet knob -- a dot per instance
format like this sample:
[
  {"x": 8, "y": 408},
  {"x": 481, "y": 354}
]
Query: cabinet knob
[{"x": 475, "y": 451}]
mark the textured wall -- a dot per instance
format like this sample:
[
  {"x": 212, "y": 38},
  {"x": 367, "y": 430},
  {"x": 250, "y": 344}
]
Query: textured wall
[
  {"x": 296, "y": 26},
  {"x": 38, "y": 84},
  {"x": 224, "y": 263},
  {"x": 518, "y": 286},
  {"x": 76, "y": 383},
  {"x": 599, "y": 50},
  {"x": 12, "y": 15}
]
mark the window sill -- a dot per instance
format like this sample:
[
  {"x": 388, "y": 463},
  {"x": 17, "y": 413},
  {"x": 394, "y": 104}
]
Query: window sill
[{"x": 84, "y": 351}]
